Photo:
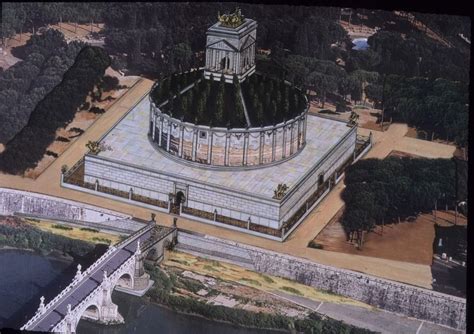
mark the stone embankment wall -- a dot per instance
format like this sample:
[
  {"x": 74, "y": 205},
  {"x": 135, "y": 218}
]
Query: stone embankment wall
[
  {"x": 16, "y": 201},
  {"x": 388, "y": 295}
]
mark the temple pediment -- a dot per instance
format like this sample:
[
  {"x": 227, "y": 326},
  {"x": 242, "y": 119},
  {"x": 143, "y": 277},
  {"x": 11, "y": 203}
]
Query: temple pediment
[
  {"x": 248, "y": 41},
  {"x": 222, "y": 45}
]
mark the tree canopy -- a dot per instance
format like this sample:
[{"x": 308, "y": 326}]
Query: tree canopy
[
  {"x": 46, "y": 58},
  {"x": 56, "y": 110},
  {"x": 378, "y": 191}
]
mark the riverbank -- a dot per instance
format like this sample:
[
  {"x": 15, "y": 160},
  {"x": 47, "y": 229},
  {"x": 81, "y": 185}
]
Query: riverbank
[
  {"x": 15, "y": 232},
  {"x": 54, "y": 255},
  {"x": 216, "y": 296}
]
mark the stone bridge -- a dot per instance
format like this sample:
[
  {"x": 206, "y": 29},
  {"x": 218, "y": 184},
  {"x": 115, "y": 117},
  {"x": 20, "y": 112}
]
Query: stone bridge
[{"x": 89, "y": 294}]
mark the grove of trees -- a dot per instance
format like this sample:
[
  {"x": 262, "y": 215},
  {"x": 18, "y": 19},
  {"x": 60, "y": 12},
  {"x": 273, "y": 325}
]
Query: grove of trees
[
  {"x": 56, "y": 110},
  {"x": 216, "y": 103},
  {"x": 439, "y": 107},
  {"x": 46, "y": 58},
  {"x": 382, "y": 191}
]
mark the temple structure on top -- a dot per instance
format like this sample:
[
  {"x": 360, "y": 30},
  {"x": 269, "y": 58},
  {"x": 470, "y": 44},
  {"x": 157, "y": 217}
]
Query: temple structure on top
[{"x": 230, "y": 47}]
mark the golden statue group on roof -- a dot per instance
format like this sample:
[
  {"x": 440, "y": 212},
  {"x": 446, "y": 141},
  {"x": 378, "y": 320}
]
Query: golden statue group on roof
[{"x": 231, "y": 20}]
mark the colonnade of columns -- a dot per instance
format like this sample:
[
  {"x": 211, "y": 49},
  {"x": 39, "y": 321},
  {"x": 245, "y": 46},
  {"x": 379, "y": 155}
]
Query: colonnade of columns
[{"x": 290, "y": 141}]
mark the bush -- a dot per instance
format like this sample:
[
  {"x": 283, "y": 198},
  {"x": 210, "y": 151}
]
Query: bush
[
  {"x": 102, "y": 240},
  {"x": 78, "y": 130},
  {"x": 86, "y": 106},
  {"x": 267, "y": 279},
  {"x": 97, "y": 110},
  {"x": 291, "y": 290},
  {"x": 109, "y": 83},
  {"x": 250, "y": 281},
  {"x": 314, "y": 244},
  {"x": 51, "y": 153},
  {"x": 63, "y": 139},
  {"x": 192, "y": 285},
  {"x": 89, "y": 229},
  {"x": 62, "y": 227}
]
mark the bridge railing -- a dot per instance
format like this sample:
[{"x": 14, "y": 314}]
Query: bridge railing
[
  {"x": 91, "y": 295},
  {"x": 74, "y": 282},
  {"x": 77, "y": 279},
  {"x": 131, "y": 237}
]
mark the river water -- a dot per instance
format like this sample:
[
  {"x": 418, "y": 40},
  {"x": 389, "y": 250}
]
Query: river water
[{"x": 25, "y": 276}]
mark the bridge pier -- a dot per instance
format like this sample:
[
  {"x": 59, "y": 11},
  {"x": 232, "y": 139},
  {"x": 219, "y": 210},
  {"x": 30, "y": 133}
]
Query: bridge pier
[
  {"x": 108, "y": 311},
  {"x": 141, "y": 279}
]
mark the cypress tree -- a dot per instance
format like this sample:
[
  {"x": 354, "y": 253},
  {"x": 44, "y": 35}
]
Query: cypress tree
[
  {"x": 267, "y": 100},
  {"x": 251, "y": 89},
  {"x": 274, "y": 111},
  {"x": 164, "y": 90},
  {"x": 239, "y": 116},
  {"x": 286, "y": 103},
  {"x": 259, "y": 113},
  {"x": 292, "y": 104},
  {"x": 297, "y": 103},
  {"x": 219, "y": 110},
  {"x": 201, "y": 110},
  {"x": 173, "y": 83}
]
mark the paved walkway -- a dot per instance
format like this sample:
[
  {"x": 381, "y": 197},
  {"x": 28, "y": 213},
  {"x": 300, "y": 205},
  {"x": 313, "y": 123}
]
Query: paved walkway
[
  {"x": 296, "y": 244},
  {"x": 374, "y": 320}
]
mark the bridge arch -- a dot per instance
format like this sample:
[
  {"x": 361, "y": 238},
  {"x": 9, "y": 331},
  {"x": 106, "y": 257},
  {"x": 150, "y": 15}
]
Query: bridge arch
[
  {"x": 91, "y": 311},
  {"x": 126, "y": 280}
]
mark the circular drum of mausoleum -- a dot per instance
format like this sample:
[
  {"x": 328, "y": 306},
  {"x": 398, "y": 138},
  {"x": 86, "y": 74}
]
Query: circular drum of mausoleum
[{"x": 270, "y": 138}]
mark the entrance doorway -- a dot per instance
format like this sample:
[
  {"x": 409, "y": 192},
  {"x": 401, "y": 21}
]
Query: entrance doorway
[
  {"x": 225, "y": 64},
  {"x": 179, "y": 199}
]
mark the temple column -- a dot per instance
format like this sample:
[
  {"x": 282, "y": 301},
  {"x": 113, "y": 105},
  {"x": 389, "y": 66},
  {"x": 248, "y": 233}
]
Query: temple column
[
  {"x": 226, "y": 150},
  {"x": 213, "y": 61},
  {"x": 273, "y": 144},
  {"x": 260, "y": 149},
  {"x": 299, "y": 134},
  {"x": 209, "y": 148},
  {"x": 291, "y": 138},
  {"x": 284, "y": 142},
  {"x": 194, "y": 148},
  {"x": 238, "y": 64},
  {"x": 154, "y": 126},
  {"x": 168, "y": 138},
  {"x": 181, "y": 139},
  {"x": 234, "y": 62},
  {"x": 161, "y": 131},
  {"x": 246, "y": 148},
  {"x": 305, "y": 125}
]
